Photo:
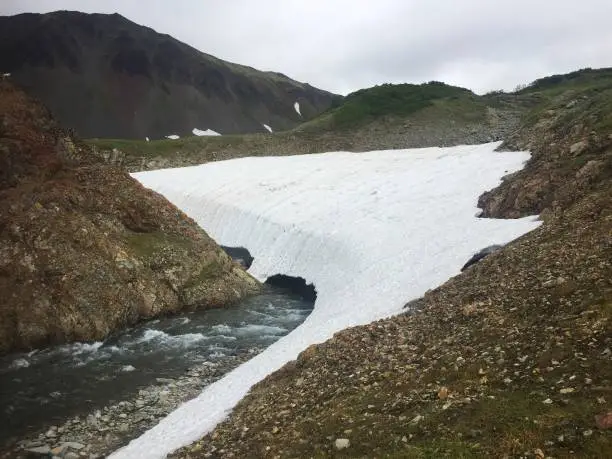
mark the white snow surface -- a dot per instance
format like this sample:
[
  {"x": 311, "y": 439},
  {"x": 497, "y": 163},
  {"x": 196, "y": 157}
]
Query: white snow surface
[
  {"x": 297, "y": 108},
  {"x": 199, "y": 132},
  {"x": 147, "y": 139},
  {"x": 371, "y": 230},
  {"x": 173, "y": 137},
  {"x": 267, "y": 127}
]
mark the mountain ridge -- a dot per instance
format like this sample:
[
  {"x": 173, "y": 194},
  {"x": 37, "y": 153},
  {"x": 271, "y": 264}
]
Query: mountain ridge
[{"x": 106, "y": 76}]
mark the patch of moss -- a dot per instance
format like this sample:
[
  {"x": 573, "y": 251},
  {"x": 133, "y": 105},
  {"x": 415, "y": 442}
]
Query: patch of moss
[
  {"x": 168, "y": 147},
  {"x": 211, "y": 270},
  {"x": 147, "y": 245}
]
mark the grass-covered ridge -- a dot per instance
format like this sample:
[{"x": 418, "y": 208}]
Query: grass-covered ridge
[
  {"x": 398, "y": 100},
  {"x": 580, "y": 78}
]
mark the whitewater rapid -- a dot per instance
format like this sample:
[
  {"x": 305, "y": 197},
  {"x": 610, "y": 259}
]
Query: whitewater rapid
[{"x": 370, "y": 230}]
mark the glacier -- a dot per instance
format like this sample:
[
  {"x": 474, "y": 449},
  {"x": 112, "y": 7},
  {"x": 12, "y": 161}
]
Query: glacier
[{"x": 371, "y": 230}]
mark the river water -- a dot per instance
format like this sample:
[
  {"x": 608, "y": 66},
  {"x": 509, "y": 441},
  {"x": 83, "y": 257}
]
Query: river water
[{"x": 44, "y": 387}]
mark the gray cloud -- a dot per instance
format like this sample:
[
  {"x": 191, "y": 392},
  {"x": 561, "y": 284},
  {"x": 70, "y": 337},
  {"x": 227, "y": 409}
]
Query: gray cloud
[{"x": 343, "y": 45}]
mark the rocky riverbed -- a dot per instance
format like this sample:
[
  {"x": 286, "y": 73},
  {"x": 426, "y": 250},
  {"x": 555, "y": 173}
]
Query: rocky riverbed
[
  {"x": 88, "y": 399},
  {"x": 102, "y": 431}
]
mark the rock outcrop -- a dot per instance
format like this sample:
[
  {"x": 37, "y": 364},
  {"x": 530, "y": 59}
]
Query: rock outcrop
[
  {"x": 570, "y": 136},
  {"x": 84, "y": 248}
]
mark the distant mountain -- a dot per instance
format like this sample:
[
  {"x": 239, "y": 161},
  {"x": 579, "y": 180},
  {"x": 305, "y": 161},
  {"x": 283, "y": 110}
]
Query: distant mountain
[{"x": 106, "y": 76}]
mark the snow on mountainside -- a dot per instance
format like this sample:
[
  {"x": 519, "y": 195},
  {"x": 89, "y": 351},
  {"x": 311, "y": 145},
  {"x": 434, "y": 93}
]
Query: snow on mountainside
[
  {"x": 371, "y": 230},
  {"x": 108, "y": 77},
  {"x": 199, "y": 132},
  {"x": 296, "y": 106}
]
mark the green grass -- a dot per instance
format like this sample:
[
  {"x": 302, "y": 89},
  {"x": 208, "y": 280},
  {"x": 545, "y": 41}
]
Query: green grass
[
  {"x": 168, "y": 147},
  {"x": 211, "y": 270},
  {"x": 387, "y": 100},
  {"x": 579, "y": 79},
  {"x": 148, "y": 245}
]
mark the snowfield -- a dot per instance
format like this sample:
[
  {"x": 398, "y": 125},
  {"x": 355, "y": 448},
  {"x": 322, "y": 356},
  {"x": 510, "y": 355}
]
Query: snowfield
[
  {"x": 200, "y": 133},
  {"x": 370, "y": 230},
  {"x": 296, "y": 107}
]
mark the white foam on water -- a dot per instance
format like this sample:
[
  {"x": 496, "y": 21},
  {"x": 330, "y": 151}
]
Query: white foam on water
[
  {"x": 19, "y": 363},
  {"x": 186, "y": 339},
  {"x": 254, "y": 329},
  {"x": 151, "y": 334},
  {"x": 222, "y": 328},
  {"x": 82, "y": 348}
]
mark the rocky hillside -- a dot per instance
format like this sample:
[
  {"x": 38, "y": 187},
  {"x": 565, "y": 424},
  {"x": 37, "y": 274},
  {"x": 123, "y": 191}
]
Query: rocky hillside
[
  {"x": 84, "y": 248},
  {"x": 106, "y": 76},
  {"x": 569, "y": 133},
  {"x": 511, "y": 358},
  {"x": 383, "y": 117}
]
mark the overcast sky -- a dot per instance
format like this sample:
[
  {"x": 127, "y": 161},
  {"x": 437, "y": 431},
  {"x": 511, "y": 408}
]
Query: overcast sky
[{"x": 344, "y": 45}]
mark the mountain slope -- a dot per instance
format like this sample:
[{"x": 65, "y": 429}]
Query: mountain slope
[
  {"x": 509, "y": 359},
  {"x": 84, "y": 248},
  {"x": 106, "y": 76}
]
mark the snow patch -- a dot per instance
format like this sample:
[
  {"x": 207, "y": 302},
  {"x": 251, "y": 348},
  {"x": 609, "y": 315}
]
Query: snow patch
[
  {"x": 296, "y": 106},
  {"x": 372, "y": 231},
  {"x": 268, "y": 128},
  {"x": 199, "y": 132},
  {"x": 128, "y": 368},
  {"x": 147, "y": 139},
  {"x": 173, "y": 137}
]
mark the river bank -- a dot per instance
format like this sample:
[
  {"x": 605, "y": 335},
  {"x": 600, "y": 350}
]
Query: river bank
[{"x": 94, "y": 397}]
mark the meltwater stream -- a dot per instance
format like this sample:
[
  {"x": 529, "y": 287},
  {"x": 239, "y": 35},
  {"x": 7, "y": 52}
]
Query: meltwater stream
[{"x": 42, "y": 388}]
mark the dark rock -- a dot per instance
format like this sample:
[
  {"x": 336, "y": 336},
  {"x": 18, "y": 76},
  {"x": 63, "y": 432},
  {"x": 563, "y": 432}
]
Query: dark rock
[
  {"x": 296, "y": 285},
  {"x": 240, "y": 255},
  {"x": 480, "y": 255}
]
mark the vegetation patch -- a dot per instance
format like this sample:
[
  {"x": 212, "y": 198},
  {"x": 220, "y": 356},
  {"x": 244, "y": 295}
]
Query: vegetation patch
[{"x": 387, "y": 100}]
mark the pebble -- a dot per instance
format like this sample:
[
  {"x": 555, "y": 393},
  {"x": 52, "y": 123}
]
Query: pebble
[
  {"x": 342, "y": 443},
  {"x": 418, "y": 418},
  {"x": 73, "y": 445},
  {"x": 103, "y": 430}
]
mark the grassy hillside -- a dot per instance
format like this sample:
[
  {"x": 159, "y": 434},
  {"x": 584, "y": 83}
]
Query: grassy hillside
[
  {"x": 387, "y": 100},
  {"x": 395, "y": 116}
]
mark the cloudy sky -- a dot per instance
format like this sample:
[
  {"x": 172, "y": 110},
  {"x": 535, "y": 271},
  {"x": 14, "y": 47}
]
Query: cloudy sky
[{"x": 344, "y": 45}]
